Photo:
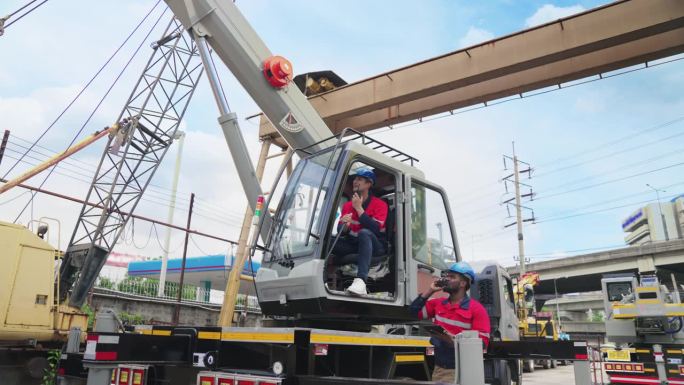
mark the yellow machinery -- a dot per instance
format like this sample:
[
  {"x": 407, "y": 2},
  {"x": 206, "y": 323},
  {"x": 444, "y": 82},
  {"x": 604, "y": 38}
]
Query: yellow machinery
[
  {"x": 31, "y": 319},
  {"x": 532, "y": 326},
  {"x": 28, "y": 309}
]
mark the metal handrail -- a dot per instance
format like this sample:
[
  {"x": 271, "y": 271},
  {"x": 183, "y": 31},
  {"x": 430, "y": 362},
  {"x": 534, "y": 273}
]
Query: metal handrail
[{"x": 365, "y": 140}]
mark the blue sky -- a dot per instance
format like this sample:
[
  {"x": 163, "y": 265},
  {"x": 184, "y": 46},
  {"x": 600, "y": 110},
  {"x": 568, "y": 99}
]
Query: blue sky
[{"x": 50, "y": 54}]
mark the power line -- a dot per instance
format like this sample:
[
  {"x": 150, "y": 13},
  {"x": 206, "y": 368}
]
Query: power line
[
  {"x": 554, "y": 254},
  {"x": 5, "y": 18},
  {"x": 197, "y": 246},
  {"x": 103, "y": 97},
  {"x": 485, "y": 213},
  {"x": 603, "y": 146},
  {"x": 235, "y": 220},
  {"x": 152, "y": 189},
  {"x": 69, "y": 198},
  {"x": 150, "y": 199},
  {"x": 553, "y": 219},
  {"x": 614, "y": 200},
  {"x": 611, "y": 181},
  {"x": 15, "y": 198},
  {"x": 637, "y": 163},
  {"x": 78, "y": 95},
  {"x": 614, "y": 142},
  {"x": 637, "y": 147}
]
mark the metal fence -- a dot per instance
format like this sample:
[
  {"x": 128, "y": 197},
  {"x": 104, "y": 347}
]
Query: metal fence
[{"x": 147, "y": 287}]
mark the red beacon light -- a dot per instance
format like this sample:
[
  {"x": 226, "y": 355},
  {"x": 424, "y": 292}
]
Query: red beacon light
[{"x": 278, "y": 71}]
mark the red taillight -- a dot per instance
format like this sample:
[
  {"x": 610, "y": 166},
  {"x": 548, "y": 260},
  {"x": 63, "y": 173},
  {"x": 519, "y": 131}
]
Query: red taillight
[
  {"x": 123, "y": 376},
  {"x": 60, "y": 371},
  {"x": 246, "y": 382},
  {"x": 114, "y": 372},
  {"x": 206, "y": 380},
  {"x": 226, "y": 381},
  {"x": 267, "y": 383}
]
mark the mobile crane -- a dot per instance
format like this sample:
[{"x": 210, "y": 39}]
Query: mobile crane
[
  {"x": 322, "y": 334},
  {"x": 294, "y": 283},
  {"x": 644, "y": 322},
  {"x": 532, "y": 326}
]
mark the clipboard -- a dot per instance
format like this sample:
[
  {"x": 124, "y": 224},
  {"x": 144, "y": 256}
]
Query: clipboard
[{"x": 439, "y": 332}]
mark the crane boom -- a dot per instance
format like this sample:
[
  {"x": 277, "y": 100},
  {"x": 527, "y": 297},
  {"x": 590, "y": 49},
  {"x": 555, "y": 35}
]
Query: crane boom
[{"x": 242, "y": 50}]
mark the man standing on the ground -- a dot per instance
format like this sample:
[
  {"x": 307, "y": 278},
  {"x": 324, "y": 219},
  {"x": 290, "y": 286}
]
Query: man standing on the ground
[{"x": 454, "y": 314}]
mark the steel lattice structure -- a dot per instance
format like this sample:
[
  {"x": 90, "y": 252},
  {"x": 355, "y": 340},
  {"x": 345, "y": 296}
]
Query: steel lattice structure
[{"x": 147, "y": 126}]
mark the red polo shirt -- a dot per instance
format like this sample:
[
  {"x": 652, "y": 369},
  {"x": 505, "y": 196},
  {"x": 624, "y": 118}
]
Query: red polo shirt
[
  {"x": 374, "y": 207},
  {"x": 455, "y": 318}
]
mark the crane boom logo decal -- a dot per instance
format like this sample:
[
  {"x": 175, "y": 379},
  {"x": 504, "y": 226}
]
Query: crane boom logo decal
[{"x": 290, "y": 123}]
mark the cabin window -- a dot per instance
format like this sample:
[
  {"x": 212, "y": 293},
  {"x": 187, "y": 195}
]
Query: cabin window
[
  {"x": 431, "y": 240},
  {"x": 304, "y": 199}
]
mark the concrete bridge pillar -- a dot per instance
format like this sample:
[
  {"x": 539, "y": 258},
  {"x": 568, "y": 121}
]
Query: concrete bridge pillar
[{"x": 646, "y": 264}]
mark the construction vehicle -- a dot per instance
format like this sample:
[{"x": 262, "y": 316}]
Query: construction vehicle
[
  {"x": 644, "y": 325},
  {"x": 316, "y": 325},
  {"x": 32, "y": 321},
  {"x": 319, "y": 324},
  {"x": 533, "y": 325}
]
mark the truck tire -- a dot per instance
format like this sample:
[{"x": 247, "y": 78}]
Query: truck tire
[
  {"x": 553, "y": 364},
  {"x": 528, "y": 366},
  {"x": 516, "y": 367},
  {"x": 546, "y": 364},
  {"x": 506, "y": 378},
  {"x": 499, "y": 372}
]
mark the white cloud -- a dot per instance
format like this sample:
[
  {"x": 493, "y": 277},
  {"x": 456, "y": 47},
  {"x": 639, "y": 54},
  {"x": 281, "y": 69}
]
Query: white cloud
[
  {"x": 549, "y": 12},
  {"x": 474, "y": 36},
  {"x": 462, "y": 153}
]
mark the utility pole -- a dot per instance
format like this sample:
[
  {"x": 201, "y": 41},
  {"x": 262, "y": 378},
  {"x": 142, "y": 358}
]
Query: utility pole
[
  {"x": 515, "y": 179},
  {"x": 176, "y": 313},
  {"x": 180, "y": 136}
]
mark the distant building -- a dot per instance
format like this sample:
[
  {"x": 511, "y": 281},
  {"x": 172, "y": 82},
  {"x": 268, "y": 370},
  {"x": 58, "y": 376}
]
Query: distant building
[
  {"x": 648, "y": 224},
  {"x": 208, "y": 271}
]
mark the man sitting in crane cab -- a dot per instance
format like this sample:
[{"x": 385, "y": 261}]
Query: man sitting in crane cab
[{"x": 363, "y": 221}]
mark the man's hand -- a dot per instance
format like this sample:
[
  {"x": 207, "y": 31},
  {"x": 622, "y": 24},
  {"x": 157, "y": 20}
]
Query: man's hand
[
  {"x": 346, "y": 219},
  {"x": 357, "y": 203},
  {"x": 431, "y": 290}
]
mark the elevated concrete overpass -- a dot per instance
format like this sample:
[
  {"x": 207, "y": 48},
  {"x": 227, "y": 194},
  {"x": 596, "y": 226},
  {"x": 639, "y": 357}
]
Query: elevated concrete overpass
[
  {"x": 577, "y": 303},
  {"x": 583, "y": 273}
]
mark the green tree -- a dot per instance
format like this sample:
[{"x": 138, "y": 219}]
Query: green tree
[{"x": 50, "y": 374}]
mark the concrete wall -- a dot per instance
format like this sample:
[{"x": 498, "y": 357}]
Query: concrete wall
[{"x": 160, "y": 311}]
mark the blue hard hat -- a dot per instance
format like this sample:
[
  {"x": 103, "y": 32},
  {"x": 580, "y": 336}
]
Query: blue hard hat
[
  {"x": 366, "y": 173},
  {"x": 465, "y": 269}
]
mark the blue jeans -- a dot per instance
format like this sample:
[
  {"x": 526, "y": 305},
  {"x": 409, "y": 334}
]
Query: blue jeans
[{"x": 360, "y": 250}]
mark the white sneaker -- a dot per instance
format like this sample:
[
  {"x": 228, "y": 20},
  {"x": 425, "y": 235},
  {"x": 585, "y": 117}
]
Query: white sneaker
[{"x": 358, "y": 287}]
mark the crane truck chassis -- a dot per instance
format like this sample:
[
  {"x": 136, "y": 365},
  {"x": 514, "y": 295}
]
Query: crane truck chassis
[{"x": 213, "y": 356}]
